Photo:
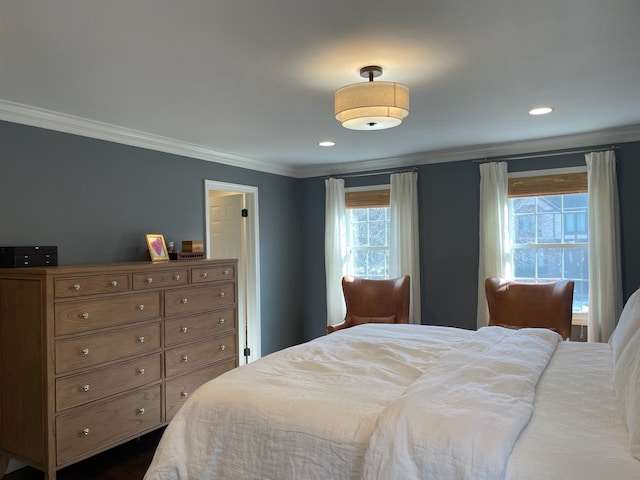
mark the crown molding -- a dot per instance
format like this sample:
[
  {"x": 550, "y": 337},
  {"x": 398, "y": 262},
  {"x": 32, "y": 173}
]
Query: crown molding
[
  {"x": 629, "y": 133},
  {"x": 51, "y": 120}
]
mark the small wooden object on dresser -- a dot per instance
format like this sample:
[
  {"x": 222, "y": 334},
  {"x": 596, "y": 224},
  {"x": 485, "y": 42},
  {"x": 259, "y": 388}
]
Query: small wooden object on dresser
[{"x": 93, "y": 356}]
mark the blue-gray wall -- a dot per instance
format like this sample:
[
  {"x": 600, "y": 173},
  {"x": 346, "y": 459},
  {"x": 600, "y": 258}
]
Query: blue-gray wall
[{"x": 95, "y": 200}]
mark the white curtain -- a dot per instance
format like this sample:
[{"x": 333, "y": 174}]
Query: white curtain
[
  {"x": 404, "y": 247},
  {"x": 335, "y": 249},
  {"x": 605, "y": 284},
  {"x": 495, "y": 251}
]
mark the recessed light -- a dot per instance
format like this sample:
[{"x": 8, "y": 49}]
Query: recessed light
[
  {"x": 327, "y": 143},
  {"x": 540, "y": 110}
]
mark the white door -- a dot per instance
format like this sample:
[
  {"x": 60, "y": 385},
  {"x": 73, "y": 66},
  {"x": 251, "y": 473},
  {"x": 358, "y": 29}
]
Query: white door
[
  {"x": 232, "y": 235},
  {"x": 226, "y": 226}
]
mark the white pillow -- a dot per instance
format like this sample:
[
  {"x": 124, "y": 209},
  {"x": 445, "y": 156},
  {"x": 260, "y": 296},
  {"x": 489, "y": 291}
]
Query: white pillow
[
  {"x": 626, "y": 379},
  {"x": 628, "y": 325}
]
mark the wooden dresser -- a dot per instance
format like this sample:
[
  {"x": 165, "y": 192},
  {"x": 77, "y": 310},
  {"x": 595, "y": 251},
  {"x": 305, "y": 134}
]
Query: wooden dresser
[{"x": 93, "y": 356}]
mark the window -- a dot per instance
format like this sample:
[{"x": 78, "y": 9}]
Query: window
[
  {"x": 368, "y": 226},
  {"x": 550, "y": 234}
]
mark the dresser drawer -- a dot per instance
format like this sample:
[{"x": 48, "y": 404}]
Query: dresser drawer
[
  {"x": 84, "y": 315},
  {"x": 91, "y": 285},
  {"x": 189, "y": 357},
  {"x": 76, "y": 390},
  {"x": 196, "y": 299},
  {"x": 96, "y": 427},
  {"x": 90, "y": 350},
  {"x": 213, "y": 273},
  {"x": 180, "y": 388},
  {"x": 165, "y": 278},
  {"x": 191, "y": 328}
]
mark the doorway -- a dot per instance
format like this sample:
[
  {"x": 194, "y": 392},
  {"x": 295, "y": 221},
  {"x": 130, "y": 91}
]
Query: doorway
[{"x": 231, "y": 226}]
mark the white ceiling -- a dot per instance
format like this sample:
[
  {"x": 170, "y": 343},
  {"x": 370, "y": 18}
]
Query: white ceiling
[{"x": 251, "y": 82}]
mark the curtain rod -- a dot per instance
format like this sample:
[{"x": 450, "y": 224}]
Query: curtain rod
[
  {"x": 550, "y": 154},
  {"x": 381, "y": 172}
]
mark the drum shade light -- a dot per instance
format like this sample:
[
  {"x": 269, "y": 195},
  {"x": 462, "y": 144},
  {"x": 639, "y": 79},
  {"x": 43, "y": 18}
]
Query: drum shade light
[{"x": 371, "y": 105}]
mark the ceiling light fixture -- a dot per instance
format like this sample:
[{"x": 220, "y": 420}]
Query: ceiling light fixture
[
  {"x": 540, "y": 110},
  {"x": 371, "y": 105},
  {"x": 327, "y": 143}
]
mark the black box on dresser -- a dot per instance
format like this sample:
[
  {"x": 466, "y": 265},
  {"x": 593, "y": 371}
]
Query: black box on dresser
[{"x": 28, "y": 256}]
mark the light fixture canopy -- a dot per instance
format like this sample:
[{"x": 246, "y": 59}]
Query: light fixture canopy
[{"x": 371, "y": 105}]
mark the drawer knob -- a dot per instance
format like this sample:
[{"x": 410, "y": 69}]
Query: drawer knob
[
  {"x": 222, "y": 348},
  {"x": 141, "y": 339},
  {"x": 221, "y": 294},
  {"x": 141, "y": 411},
  {"x": 114, "y": 283},
  {"x": 177, "y": 277},
  {"x": 141, "y": 371},
  {"x": 184, "y": 329},
  {"x": 185, "y": 300},
  {"x": 225, "y": 272},
  {"x": 149, "y": 279},
  {"x": 141, "y": 307},
  {"x": 185, "y": 358},
  {"x": 184, "y": 394},
  {"x": 85, "y": 315},
  {"x": 85, "y": 432},
  {"x": 85, "y": 388},
  {"x": 221, "y": 321},
  {"x": 77, "y": 286},
  {"x": 85, "y": 351},
  {"x": 204, "y": 275}
]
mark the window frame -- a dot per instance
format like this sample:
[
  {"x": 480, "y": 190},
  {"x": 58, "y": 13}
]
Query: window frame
[
  {"x": 548, "y": 182},
  {"x": 365, "y": 197}
]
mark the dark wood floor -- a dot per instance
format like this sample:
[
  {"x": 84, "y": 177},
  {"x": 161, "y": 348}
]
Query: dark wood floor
[{"x": 125, "y": 462}]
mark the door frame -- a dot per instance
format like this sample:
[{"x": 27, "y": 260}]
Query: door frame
[{"x": 251, "y": 308}]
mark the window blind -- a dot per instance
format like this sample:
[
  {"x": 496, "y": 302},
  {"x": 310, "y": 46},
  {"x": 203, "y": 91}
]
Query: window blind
[
  {"x": 367, "y": 199},
  {"x": 536, "y": 186}
]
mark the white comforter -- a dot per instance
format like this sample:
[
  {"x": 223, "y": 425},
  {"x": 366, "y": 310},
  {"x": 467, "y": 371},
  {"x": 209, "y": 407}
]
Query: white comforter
[
  {"x": 323, "y": 409},
  {"x": 462, "y": 417}
]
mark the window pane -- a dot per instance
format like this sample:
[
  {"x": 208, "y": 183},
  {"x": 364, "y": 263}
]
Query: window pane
[
  {"x": 550, "y": 228},
  {"x": 378, "y": 234},
  {"x": 360, "y": 234},
  {"x": 359, "y": 214},
  {"x": 524, "y": 261},
  {"x": 549, "y": 263},
  {"x": 359, "y": 268},
  {"x": 524, "y": 205},
  {"x": 376, "y": 214},
  {"x": 576, "y": 201},
  {"x": 581, "y": 296},
  {"x": 387, "y": 230},
  {"x": 576, "y": 228},
  {"x": 549, "y": 204},
  {"x": 576, "y": 263},
  {"x": 525, "y": 229},
  {"x": 378, "y": 263}
]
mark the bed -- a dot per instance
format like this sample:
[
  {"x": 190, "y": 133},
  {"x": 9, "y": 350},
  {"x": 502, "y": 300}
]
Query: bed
[{"x": 380, "y": 401}]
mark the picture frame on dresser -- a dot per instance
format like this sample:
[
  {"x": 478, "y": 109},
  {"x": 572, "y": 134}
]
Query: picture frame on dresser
[{"x": 157, "y": 247}]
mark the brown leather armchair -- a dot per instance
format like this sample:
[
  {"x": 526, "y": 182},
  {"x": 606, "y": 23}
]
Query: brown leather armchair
[
  {"x": 374, "y": 301},
  {"x": 519, "y": 305}
]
